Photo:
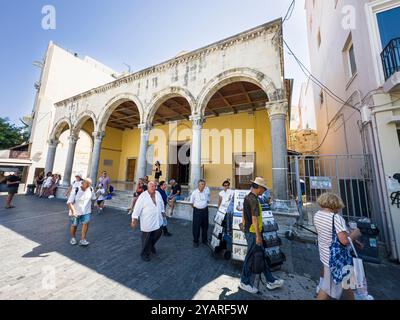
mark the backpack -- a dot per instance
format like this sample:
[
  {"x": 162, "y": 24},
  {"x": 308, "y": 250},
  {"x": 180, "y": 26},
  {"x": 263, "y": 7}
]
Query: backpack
[{"x": 257, "y": 260}]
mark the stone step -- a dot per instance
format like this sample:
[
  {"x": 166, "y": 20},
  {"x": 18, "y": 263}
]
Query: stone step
[{"x": 121, "y": 200}]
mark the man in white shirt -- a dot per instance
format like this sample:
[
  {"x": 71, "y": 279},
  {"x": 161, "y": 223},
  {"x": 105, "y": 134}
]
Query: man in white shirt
[
  {"x": 200, "y": 199},
  {"x": 80, "y": 209},
  {"x": 149, "y": 208}
]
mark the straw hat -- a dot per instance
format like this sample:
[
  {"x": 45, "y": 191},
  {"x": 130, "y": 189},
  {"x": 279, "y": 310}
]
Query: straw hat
[{"x": 260, "y": 182}]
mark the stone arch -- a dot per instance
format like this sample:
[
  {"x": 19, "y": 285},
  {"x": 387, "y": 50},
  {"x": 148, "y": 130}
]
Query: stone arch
[
  {"x": 162, "y": 96},
  {"x": 82, "y": 118},
  {"x": 235, "y": 75},
  {"x": 58, "y": 128},
  {"x": 113, "y": 104}
]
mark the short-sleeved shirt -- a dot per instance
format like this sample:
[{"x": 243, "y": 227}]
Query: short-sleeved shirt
[
  {"x": 102, "y": 194},
  {"x": 200, "y": 200},
  {"x": 77, "y": 184},
  {"x": 251, "y": 207},
  {"x": 48, "y": 182},
  {"x": 226, "y": 196},
  {"x": 13, "y": 178},
  {"x": 323, "y": 225},
  {"x": 82, "y": 201},
  {"x": 105, "y": 181},
  {"x": 176, "y": 188},
  {"x": 13, "y": 187}
]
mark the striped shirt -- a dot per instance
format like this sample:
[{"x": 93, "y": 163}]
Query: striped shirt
[{"x": 323, "y": 224}]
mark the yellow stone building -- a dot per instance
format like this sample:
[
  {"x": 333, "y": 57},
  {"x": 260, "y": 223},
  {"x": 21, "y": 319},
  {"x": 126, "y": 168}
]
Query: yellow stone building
[{"x": 217, "y": 112}]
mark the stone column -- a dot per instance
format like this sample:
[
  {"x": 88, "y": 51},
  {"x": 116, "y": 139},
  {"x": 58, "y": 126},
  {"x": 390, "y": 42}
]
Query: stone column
[
  {"x": 51, "y": 155},
  {"x": 142, "y": 160},
  {"x": 195, "y": 163},
  {"x": 94, "y": 165},
  {"x": 277, "y": 111},
  {"x": 73, "y": 139}
]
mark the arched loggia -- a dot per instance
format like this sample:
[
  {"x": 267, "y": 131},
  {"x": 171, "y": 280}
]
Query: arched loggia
[{"x": 168, "y": 127}]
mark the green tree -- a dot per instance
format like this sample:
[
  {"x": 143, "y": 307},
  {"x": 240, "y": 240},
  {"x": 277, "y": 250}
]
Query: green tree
[{"x": 10, "y": 134}]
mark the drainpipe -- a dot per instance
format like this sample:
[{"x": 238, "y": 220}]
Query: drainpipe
[
  {"x": 383, "y": 189},
  {"x": 381, "y": 197}
]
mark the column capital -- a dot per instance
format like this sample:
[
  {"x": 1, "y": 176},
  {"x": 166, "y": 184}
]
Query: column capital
[
  {"x": 73, "y": 138},
  {"x": 98, "y": 135},
  {"x": 53, "y": 142},
  {"x": 198, "y": 120},
  {"x": 275, "y": 108},
  {"x": 145, "y": 128}
]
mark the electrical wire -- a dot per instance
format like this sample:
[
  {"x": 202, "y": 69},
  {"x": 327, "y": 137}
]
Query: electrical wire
[{"x": 319, "y": 83}]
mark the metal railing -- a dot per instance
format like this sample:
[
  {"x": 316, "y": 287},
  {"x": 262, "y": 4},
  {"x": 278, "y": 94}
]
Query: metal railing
[
  {"x": 391, "y": 58},
  {"x": 349, "y": 176}
]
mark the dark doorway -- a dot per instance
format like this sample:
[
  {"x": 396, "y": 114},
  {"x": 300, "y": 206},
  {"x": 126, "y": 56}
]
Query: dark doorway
[
  {"x": 244, "y": 170},
  {"x": 179, "y": 169}
]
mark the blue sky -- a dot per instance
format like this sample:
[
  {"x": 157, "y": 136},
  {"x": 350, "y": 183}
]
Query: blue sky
[{"x": 136, "y": 32}]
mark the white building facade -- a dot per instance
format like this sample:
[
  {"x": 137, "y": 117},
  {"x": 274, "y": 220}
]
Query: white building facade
[
  {"x": 63, "y": 74},
  {"x": 355, "y": 53}
]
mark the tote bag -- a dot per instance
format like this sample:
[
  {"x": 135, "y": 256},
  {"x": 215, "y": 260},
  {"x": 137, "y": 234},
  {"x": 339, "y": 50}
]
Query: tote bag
[{"x": 339, "y": 257}]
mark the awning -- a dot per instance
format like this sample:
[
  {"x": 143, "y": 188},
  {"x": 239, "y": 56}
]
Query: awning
[{"x": 15, "y": 163}]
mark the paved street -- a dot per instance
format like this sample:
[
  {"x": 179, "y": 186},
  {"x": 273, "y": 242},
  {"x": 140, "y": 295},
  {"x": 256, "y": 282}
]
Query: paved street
[{"x": 37, "y": 262}]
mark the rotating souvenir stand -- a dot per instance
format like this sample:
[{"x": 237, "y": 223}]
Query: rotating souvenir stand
[
  {"x": 272, "y": 242},
  {"x": 239, "y": 243},
  {"x": 221, "y": 239},
  {"x": 228, "y": 236}
]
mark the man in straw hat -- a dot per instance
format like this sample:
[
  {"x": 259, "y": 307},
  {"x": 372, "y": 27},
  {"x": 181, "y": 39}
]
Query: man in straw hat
[
  {"x": 80, "y": 209},
  {"x": 252, "y": 228}
]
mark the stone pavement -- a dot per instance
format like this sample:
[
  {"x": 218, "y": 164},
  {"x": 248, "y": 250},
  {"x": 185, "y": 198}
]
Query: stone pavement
[{"x": 37, "y": 262}]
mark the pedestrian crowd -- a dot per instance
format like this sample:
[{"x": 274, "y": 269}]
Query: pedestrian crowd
[{"x": 152, "y": 204}]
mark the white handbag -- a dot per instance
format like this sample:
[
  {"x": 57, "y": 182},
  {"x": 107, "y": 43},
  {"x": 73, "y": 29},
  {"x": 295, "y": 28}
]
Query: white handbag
[{"x": 359, "y": 279}]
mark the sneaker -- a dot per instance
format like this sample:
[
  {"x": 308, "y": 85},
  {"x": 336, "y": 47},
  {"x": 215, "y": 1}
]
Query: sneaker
[
  {"x": 248, "y": 288},
  {"x": 278, "y": 283},
  {"x": 195, "y": 244},
  {"x": 73, "y": 242},
  {"x": 51, "y": 197},
  {"x": 146, "y": 258},
  {"x": 84, "y": 243}
]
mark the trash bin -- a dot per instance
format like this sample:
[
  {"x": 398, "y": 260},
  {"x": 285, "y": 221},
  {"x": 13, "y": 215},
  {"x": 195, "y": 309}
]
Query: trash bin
[
  {"x": 369, "y": 238},
  {"x": 30, "y": 190}
]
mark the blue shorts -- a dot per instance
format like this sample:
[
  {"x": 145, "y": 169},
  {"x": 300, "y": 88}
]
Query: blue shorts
[
  {"x": 84, "y": 219},
  {"x": 176, "y": 197}
]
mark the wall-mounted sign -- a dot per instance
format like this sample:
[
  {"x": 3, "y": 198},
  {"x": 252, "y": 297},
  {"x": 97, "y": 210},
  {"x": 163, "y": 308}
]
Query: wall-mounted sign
[{"x": 321, "y": 183}]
